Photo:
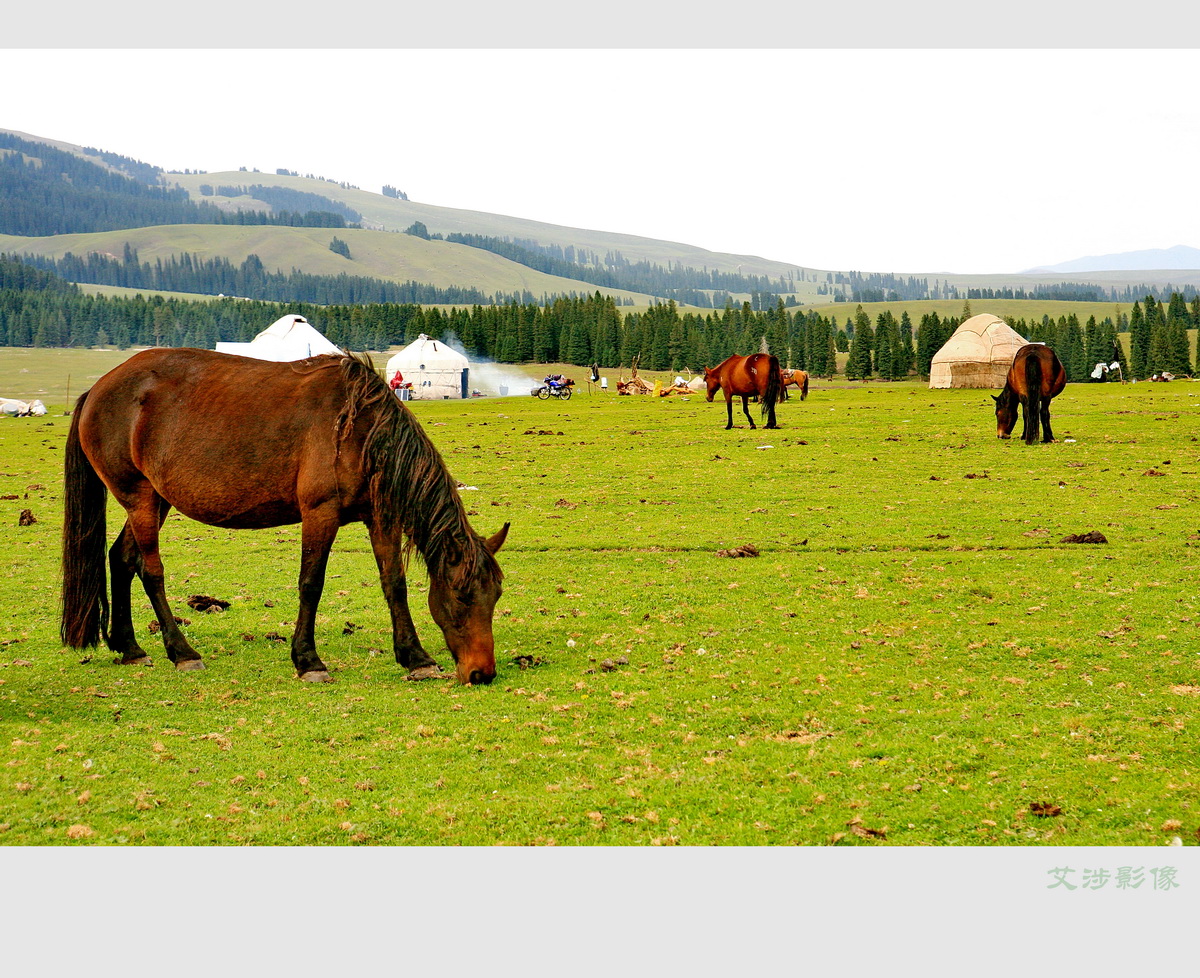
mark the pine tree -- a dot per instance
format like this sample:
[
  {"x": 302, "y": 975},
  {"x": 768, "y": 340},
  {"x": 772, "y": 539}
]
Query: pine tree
[
  {"x": 864, "y": 336},
  {"x": 1179, "y": 353},
  {"x": 929, "y": 341},
  {"x": 1139, "y": 343},
  {"x": 858, "y": 365},
  {"x": 1072, "y": 352},
  {"x": 908, "y": 354},
  {"x": 888, "y": 352}
]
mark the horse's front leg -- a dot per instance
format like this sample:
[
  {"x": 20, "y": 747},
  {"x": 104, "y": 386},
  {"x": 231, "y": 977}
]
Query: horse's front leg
[
  {"x": 318, "y": 530},
  {"x": 728, "y": 411},
  {"x": 405, "y": 642},
  {"x": 746, "y": 409}
]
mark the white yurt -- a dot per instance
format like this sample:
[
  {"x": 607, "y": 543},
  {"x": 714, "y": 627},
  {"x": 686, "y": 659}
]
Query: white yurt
[
  {"x": 977, "y": 355},
  {"x": 288, "y": 338},
  {"x": 435, "y": 370}
]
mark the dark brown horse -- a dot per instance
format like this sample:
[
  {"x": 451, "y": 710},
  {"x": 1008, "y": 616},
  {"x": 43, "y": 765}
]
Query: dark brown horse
[
  {"x": 756, "y": 375},
  {"x": 799, "y": 378},
  {"x": 242, "y": 443},
  {"x": 1036, "y": 377}
]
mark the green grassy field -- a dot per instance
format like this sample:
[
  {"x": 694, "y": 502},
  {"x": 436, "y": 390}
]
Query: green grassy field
[{"x": 915, "y": 657}]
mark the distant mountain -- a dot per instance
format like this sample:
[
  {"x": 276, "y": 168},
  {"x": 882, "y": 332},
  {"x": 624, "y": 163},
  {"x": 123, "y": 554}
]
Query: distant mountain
[{"x": 1153, "y": 259}]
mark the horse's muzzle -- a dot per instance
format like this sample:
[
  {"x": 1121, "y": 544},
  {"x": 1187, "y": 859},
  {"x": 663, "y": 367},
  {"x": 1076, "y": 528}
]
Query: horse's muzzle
[{"x": 476, "y": 670}]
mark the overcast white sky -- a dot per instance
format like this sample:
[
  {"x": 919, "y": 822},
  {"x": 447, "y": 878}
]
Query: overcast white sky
[{"x": 931, "y": 159}]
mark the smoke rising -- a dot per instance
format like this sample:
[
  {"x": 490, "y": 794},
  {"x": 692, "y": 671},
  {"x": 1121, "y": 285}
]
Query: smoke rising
[{"x": 492, "y": 378}]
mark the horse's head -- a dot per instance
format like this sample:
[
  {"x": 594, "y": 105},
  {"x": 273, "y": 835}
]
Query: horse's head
[
  {"x": 1006, "y": 413},
  {"x": 712, "y": 380},
  {"x": 462, "y": 605}
]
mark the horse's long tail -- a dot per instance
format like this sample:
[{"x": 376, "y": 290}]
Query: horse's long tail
[
  {"x": 775, "y": 391},
  {"x": 84, "y": 584},
  {"x": 804, "y": 389},
  {"x": 1033, "y": 398}
]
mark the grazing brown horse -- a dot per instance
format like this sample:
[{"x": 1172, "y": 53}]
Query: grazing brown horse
[
  {"x": 756, "y": 375},
  {"x": 797, "y": 377},
  {"x": 242, "y": 443},
  {"x": 1035, "y": 377}
]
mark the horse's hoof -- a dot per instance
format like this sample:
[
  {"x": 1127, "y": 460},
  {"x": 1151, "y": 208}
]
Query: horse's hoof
[
  {"x": 137, "y": 660},
  {"x": 428, "y": 672},
  {"x": 316, "y": 676},
  {"x": 189, "y": 665}
]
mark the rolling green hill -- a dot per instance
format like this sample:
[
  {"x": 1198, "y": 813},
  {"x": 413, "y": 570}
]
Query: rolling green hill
[
  {"x": 391, "y": 214},
  {"x": 376, "y": 254},
  {"x": 377, "y": 251}
]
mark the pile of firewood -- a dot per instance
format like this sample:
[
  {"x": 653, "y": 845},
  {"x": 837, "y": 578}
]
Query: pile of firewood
[
  {"x": 677, "y": 389},
  {"x": 635, "y": 384}
]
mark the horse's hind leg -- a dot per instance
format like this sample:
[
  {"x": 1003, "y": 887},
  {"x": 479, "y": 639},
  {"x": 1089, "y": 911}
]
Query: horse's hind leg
[
  {"x": 771, "y": 422},
  {"x": 405, "y": 642},
  {"x": 1047, "y": 434},
  {"x": 1029, "y": 424},
  {"x": 746, "y": 410},
  {"x": 124, "y": 563},
  {"x": 146, "y": 512}
]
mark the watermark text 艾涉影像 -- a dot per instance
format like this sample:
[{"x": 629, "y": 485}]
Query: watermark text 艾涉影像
[{"x": 1121, "y": 878}]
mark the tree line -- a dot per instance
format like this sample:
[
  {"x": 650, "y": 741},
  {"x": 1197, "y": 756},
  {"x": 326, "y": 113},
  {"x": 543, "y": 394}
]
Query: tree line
[
  {"x": 41, "y": 309},
  {"x": 683, "y": 283},
  {"x": 249, "y": 279},
  {"x": 46, "y": 191},
  {"x": 287, "y": 199}
]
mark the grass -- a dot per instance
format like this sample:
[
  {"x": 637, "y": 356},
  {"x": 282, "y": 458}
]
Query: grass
[{"x": 914, "y": 658}]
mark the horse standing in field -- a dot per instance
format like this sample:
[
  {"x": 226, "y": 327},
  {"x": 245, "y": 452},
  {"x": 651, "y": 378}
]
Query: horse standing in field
[
  {"x": 241, "y": 443},
  {"x": 1035, "y": 378},
  {"x": 799, "y": 378},
  {"x": 755, "y": 375}
]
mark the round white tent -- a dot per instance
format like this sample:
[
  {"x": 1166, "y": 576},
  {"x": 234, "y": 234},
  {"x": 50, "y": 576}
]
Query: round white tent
[
  {"x": 977, "y": 355},
  {"x": 434, "y": 369},
  {"x": 288, "y": 338}
]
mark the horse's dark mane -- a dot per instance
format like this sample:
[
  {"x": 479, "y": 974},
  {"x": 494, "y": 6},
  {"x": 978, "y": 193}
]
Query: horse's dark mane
[{"x": 411, "y": 488}]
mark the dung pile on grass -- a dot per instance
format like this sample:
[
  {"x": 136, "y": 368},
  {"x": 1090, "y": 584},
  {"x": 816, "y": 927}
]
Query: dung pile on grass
[
  {"x": 1092, "y": 536},
  {"x": 745, "y": 550}
]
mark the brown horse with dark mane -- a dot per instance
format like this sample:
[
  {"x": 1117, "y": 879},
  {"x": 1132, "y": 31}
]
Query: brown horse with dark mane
[
  {"x": 242, "y": 443},
  {"x": 1035, "y": 378},
  {"x": 797, "y": 378},
  {"x": 756, "y": 375}
]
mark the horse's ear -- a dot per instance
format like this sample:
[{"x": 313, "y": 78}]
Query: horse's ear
[
  {"x": 996, "y": 398},
  {"x": 496, "y": 541}
]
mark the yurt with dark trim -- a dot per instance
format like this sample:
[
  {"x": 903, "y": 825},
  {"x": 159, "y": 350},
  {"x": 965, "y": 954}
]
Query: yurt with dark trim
[{"x": 434, "y": 370}]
